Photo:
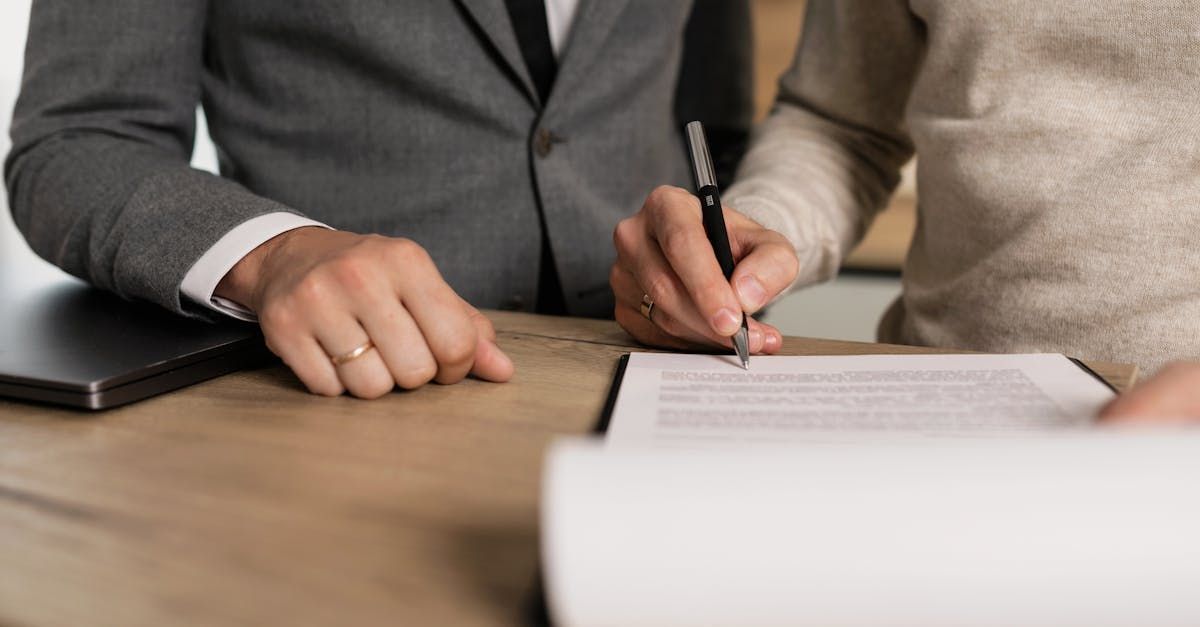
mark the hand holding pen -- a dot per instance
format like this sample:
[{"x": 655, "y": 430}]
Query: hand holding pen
[{"x": 665, "y": 257}]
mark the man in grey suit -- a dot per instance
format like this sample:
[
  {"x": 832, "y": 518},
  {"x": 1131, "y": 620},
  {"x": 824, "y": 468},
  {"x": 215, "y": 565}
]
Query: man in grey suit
[{"x": 491, "y": 144}]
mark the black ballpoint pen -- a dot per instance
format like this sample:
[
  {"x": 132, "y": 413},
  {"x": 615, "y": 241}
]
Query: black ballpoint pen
[{"x": 714, "y": 221}]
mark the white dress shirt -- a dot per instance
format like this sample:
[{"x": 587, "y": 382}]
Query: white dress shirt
[{"x": 201, "y": 280}]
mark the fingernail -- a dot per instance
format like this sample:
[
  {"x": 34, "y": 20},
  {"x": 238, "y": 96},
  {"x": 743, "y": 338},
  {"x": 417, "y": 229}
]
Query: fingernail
[
  {"x": 772, "y": 342},
  {"x": 756, "y": 341},
  {"x": 752, "y": 293},
  {"x": 725, "y": 322}
]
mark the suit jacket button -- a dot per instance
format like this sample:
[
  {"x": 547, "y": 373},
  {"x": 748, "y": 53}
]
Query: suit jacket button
[{"x": 543, "y": 142}]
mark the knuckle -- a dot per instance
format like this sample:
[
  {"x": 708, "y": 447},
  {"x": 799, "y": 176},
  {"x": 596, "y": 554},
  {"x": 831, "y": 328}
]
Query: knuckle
[
  {"x": 418, "y": 375},
  {"x": 277, "y": 318},
  {"x": 372, "y": 384},
  {"x": 459, "y": 349},
  {"x": 625, "y": 317},
  {"x": 739, "y": 219},
  {"x": 792, "y": 266},
  {"x": 785, "y": 259},
  {"x": 311, "y": 289},
  {"x": 326, "y": 389},
  {"x": 481, "y": 322},
  {"x": 321, "y": 386},
  {"x": 615, "y": 276},
  {"x": 711, "y": 293},
  {"x": 450, "y": 377},
  {"x": 352, "y": 272},
  {"x": 408, "y": 252},
  {"x": 623, "y": 233},
  {"x": 658, "y": 196},
  {"x": 676, "y": 241},
  {"x": 270, "y": 343},
  {"x": 483, "y": 327},
  {"x": 662, "y": 197},
  {"x": 661, "y": 289},
  {"x": 271, "y": 317},
  {"x": 372, "y": 390}
]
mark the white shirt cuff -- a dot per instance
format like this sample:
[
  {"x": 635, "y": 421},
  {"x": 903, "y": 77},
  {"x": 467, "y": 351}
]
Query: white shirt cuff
[{"x": 201, "y": 280}]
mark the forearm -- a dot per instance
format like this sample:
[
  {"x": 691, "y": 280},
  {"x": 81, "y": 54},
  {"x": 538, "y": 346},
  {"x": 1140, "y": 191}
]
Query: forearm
[
  {"x": 829, "y": 156},
  {"x": 817, "y": 182},
  {"x": 98, "y": 175},
  {"x": 124, "y": 215}
]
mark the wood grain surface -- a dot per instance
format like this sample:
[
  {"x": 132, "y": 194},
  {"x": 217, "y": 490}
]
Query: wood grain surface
[{"x": 246, "y": 501}]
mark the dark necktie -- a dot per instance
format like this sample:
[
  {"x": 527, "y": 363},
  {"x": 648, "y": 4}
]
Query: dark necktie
[{"x": 533, "y": 35}]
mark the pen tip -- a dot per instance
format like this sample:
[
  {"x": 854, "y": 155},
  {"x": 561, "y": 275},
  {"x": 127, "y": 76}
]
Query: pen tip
[{"x": 741, "y": 344}]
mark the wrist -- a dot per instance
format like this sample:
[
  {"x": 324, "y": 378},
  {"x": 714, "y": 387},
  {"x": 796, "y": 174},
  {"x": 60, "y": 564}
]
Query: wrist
[{"x": 241, "y": 283}]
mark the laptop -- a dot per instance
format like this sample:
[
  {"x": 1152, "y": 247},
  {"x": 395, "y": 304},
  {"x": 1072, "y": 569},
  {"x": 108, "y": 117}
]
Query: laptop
[{"x": 65, "y": 343}]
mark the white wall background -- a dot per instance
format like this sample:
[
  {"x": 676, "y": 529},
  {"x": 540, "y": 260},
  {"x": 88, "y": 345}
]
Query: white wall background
[{"x": 14, "y": 16}]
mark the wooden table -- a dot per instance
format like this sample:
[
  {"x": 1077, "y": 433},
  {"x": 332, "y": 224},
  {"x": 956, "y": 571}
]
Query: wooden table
[{"x": 246, "y": 501}]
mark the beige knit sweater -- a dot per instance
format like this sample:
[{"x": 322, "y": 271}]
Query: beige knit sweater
[{"x": 1058, "y": 176}]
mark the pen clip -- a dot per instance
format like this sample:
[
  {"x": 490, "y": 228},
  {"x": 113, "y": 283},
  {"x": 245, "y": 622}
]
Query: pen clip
[{"x": 702, "y": 165}]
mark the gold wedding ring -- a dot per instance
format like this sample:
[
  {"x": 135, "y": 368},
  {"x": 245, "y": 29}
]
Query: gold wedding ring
[
  {"x": 354, "y": 354},
  {"x": 647, "y": 307}
]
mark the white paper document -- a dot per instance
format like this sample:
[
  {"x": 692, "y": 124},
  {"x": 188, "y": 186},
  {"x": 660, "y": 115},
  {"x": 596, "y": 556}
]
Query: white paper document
[
  {"x": 932, "y": 490},
  {"x": 687, "y": 400},
  {"x": 1079, "y": 527}
]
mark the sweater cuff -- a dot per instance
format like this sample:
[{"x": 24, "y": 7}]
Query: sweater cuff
[{"x": 812, "y": 253}]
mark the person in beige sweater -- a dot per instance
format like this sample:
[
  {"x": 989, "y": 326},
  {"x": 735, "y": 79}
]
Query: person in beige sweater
[{"x": 1058, "y": 177}]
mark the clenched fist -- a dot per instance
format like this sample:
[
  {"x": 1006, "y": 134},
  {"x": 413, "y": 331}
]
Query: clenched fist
[{"x": 363, "y": 313}]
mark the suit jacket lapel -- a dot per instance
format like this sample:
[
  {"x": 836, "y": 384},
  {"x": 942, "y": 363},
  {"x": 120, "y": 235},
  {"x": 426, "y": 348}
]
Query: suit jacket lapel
[
  {"x": 491, "y": 17},
  {"x": 593, "y": 24}
]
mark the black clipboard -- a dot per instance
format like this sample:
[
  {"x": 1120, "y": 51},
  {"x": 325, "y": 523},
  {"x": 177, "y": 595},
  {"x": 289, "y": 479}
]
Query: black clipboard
[
  {"x": 614, "y": 390},
  {"x": 538, "y": 611},
  {"x": 1084, "y": 367}
]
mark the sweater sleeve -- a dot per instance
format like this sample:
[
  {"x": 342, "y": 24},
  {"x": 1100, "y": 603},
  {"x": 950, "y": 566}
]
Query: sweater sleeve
[
  {"x": 98, "y": 177},
  {"x": 829, "y": 156}
]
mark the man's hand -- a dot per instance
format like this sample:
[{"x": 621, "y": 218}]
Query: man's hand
[
  {"x": 1170, "y": 397},
  {"x": 663, "y": 252},
  {"x": 321, "y": 293}
]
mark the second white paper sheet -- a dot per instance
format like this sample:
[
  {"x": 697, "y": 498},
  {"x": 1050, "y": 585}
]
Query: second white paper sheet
[
  {"x": 1079, "y": 528},
  {"x": 879, "y": 506},
  {"x": 679, "y": 400}
]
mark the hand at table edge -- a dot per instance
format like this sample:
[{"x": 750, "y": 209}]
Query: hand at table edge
[
  {"x": 320, "y": 294},
  {"x": 1170, "y": 397}
]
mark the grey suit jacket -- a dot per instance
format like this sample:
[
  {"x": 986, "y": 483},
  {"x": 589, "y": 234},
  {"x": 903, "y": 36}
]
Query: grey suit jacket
[{"x": 414, "y": 118}]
